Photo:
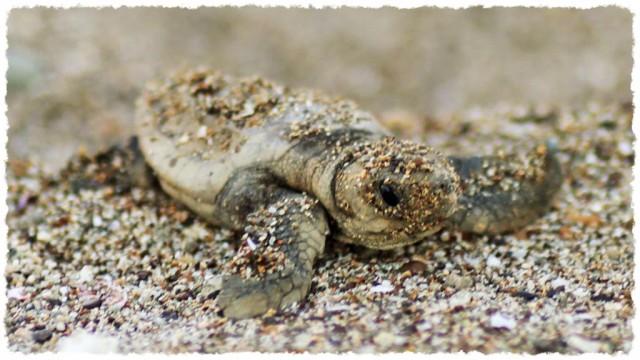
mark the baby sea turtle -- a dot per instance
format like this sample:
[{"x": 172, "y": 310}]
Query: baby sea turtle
[{"x": 290, "y": 167}]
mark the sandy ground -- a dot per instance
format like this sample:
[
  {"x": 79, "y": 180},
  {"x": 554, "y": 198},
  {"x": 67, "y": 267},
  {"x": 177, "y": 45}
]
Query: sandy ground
[{"x": 115, "y": 268}]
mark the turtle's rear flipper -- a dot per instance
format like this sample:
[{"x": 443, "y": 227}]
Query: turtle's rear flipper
[
  {"x": 504, "y": 193},
  {"x": 121, "y": 166},
  {"x": 138, "y": 171}
]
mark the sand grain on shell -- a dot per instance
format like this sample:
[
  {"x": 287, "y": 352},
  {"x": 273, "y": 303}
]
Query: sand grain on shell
[{"x": 130, "y": 270}]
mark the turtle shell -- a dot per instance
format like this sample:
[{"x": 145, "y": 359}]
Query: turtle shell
[{"x": 198, "y": 127}]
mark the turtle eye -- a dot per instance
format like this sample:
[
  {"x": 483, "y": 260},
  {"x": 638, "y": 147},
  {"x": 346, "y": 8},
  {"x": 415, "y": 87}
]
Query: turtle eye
[{"x": 388, "y": 196}]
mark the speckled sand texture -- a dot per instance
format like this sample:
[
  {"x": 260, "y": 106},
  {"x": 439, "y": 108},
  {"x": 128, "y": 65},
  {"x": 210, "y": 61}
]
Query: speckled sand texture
[{"x": 119, "y": 268}]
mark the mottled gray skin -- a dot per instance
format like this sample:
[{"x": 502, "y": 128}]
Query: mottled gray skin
[{"x": 288, "y": 167}]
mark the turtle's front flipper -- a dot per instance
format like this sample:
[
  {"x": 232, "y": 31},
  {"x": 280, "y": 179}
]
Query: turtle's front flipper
[
  {"x": 274, "y": 264},
  {"x": 503, "y": 193}
]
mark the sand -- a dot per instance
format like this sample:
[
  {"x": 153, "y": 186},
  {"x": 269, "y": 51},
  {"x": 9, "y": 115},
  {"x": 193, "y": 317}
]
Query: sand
[
  {"x": 115, "y": 268},
  {"x": 135, "y": 272}
]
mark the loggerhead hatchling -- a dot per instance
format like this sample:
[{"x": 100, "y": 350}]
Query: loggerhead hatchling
[{"x": 289, "y": 167}]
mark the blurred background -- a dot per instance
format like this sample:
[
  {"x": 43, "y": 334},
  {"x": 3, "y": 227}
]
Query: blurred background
[{"x": 74, "y": 74}]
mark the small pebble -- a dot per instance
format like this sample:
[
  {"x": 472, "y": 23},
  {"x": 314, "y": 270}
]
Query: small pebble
[
  {"x": 385, "y": 339},
  {"x": 502, "y": 321},
  {"x": 415, "y": 267},
  {"x": 44, "y": 236},
  {"x": 625, "y": 148},
  {"x": 582, "y": 344},
  {"x": 17, "y": 293},
  {"x": 559, "y": 282},
  {"x": 91, "y": 302},
  {"x": 86, "y": 274},
  {"x": 493, "y": 261},
  {"x": 384, "y": 287},
  {"x": 97, "y": 221},
  {"x": 42, "y": 336},
  {"x": 459, "y": 282}
]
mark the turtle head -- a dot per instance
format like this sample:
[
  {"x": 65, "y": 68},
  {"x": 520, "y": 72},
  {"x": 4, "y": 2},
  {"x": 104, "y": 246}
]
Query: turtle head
[{"x": 392, "y": 193}]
